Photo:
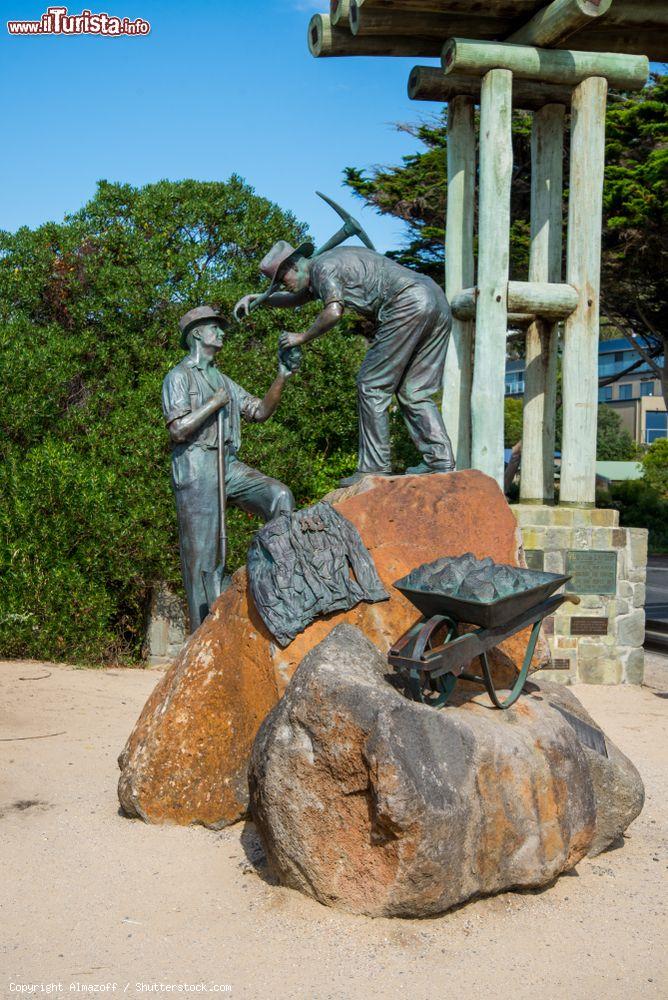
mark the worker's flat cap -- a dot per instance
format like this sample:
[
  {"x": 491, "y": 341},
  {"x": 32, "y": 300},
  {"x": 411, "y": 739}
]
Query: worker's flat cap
[{"x": 200, "y": 314}]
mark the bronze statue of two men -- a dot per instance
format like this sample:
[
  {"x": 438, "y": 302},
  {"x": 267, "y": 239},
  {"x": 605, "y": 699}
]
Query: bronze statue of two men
[{"x": 405, "y": 359}]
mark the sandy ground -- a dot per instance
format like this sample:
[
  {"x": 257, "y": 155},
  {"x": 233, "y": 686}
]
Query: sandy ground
[{"x": 89, "y": 898}]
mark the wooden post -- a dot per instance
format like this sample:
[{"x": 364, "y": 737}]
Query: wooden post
[
  {"x": 459, "y": 274},
  {"x": 496, "y": 164},
  {"x": 583, "y": 268},
  {"x": 540, "y": 380}
]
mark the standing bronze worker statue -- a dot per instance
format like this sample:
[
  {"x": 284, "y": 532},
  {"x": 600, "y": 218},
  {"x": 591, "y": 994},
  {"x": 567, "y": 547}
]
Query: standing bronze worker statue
[
  {"x": 412, "y": 326},
  {"x": 193, "y": 393}
]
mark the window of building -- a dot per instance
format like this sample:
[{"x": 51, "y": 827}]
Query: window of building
[
  {"x": 656, "y": 425},
  {"x": 646, "y": 388},
  {"x": 625, "y": 391},
  {"x": 605, "y": 394}
]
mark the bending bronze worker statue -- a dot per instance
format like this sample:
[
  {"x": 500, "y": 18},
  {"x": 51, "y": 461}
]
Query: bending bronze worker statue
[
  {"x": 407, "y": 353},
  {"x": 192, "y": 394}
]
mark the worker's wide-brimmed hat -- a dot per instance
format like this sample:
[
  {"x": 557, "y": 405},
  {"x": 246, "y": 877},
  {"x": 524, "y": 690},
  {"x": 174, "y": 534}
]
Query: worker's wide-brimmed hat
[
  {"x": 280, "y": 259},
  {"x": 200, "y": 314}
]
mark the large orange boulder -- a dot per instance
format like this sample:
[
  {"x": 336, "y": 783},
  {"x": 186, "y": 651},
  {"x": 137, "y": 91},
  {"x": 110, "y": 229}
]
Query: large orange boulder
[{"x": 186, "y": 760}]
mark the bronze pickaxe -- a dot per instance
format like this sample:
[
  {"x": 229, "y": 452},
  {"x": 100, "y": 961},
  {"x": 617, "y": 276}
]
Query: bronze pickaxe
[{"x": 350, "y": 227}]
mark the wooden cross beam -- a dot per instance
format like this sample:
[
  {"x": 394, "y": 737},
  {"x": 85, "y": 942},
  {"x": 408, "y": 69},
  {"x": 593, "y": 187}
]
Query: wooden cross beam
[
  {"x": 429, "y": 83},
  {"x": 560, "y": 66},
  {"x": 327, "y": 39},
  {"x": 551, "y": 300}
]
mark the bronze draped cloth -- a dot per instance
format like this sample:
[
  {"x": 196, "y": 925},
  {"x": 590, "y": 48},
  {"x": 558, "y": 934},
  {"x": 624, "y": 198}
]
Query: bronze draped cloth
[{"x": 309, "y": 563}]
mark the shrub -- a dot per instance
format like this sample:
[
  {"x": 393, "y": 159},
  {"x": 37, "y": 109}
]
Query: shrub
[
  {"x": 655, "y": 466},
  {"x": 88, "y": 329},
  {"x": 640, "y": 506}
]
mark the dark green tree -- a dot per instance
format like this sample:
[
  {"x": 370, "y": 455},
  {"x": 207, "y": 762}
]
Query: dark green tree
[
  {"x": 88, "y": 329},
  {"x": 512, "y": 423},
  {"x": 613, "y": 441},
  {"x": 416, "y": 190},
  {"x": 634, "y": 285},
  {"x": 655, "y": 467}
]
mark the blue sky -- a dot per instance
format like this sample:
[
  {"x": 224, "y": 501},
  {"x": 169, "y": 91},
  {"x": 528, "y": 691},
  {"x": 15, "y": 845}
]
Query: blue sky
[{"x": 216, "y": 88}]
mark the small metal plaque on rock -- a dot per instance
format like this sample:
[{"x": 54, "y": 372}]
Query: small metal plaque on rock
[
  {"x": 560, "y": 664},
  {"x": 588, "y": 735},
  {"x": 581, "y": 625},
  {"x": 592, "y": 571}
]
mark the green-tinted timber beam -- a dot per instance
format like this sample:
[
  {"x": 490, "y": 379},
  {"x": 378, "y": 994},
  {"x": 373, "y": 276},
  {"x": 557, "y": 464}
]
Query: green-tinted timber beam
[
  {"x": 339, "y": 12},
  {"x": 629, "y": 26},
  {"x": 552, "y": 300},
  {"x": 556, "y": 22},
  {"x": 601, "y": 38},
  {"x": 499, "y": 8},
  {"x": 519, "y": 321},
  {"x": 389, "y": 21},
  {"x": 429, "y": 83},
  {"x": 326, "y": 39},
  {"x": 471, "y": 58}
]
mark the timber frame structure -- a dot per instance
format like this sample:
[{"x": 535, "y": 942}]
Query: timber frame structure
[{"x": 553, "y": 59}]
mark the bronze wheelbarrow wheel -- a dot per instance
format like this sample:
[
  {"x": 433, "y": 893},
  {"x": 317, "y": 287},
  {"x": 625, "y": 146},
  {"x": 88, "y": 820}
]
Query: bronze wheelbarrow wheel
[{"x": 433, "y": 687}]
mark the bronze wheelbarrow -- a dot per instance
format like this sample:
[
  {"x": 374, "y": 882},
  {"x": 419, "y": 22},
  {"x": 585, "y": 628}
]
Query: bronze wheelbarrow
[{"x": 432, "y": 654}]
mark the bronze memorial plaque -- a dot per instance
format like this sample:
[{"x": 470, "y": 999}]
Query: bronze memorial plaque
[
  {"x": 583, "y": 625},
  {"x": 535, "y": 559},
  {"x": 592, "y": 571}
]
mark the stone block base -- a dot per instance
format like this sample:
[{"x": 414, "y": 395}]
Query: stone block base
[
  {"x": 609, "y": 649},
  {"x": 166, "y": 627}
]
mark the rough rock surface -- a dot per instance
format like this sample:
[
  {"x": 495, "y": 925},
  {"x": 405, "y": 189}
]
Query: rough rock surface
[
  {"x": 382, "y": 806},
  {"x": 186, "y": 759},
  {"x": 618, "y": 788}
]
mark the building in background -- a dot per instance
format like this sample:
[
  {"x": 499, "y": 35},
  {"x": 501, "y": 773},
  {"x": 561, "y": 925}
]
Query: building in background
[{"x": 636, "y": 397}]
